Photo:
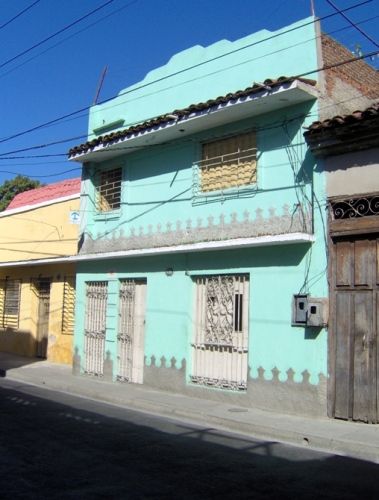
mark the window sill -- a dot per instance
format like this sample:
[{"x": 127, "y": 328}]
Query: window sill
[
  {"x": 111, "y": 215},
  {"x": 223, "y": 194}
]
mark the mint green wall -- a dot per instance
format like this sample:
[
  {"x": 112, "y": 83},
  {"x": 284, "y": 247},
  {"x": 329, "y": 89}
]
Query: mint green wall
[
  {"x": 157, "y": 189},
  {"x": 157, "y": 185},
  {"x": 276, "y": 273},
  {"x": 289, "y": 54}
]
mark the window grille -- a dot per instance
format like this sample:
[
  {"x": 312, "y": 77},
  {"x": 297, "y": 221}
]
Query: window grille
[
  {"x": 10, "y": 294},
  {"x": 355, "y": 208},
  {"x": 109, "y": 190},
  {"x": 228, "y": 163},
  {"x": 68, "y": 308},
  {"x": 125, "y": 335},
  {"x": 221, "y": 339},
  {"x": 95, "y": 327}
]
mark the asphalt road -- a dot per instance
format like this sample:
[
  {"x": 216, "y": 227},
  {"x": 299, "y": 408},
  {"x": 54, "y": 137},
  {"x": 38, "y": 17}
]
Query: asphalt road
[{"x": 54, "y": 445}]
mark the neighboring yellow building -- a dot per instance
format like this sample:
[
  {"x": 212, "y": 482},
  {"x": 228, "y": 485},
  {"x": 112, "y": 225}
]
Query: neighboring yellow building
[{"x": 38, "y": 234}]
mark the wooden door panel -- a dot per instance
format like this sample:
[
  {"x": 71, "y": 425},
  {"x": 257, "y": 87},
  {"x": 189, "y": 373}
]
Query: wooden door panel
[
  {"x": 344, "y": 263},
  {"x": 363, "y": 270},
  {"x": 363, "y": 319},
  {"x": 343, "y": 354},
  {"x": 354, "y": 338}
]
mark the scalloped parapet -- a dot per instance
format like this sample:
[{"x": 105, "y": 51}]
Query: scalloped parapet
[{"x": 201, "y": 73}]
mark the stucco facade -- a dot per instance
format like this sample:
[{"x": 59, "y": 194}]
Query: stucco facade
[
  {"x": 37, "y": 285},
  {"x": 172, "y": 235}
]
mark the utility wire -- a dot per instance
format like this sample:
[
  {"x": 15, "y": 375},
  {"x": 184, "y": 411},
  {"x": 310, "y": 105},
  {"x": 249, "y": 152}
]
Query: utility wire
[
  {"x": 19, "y": 14},
  {"x": 368, "y": 37},
  {"x": 69, "y": 36},
  {"x": 88, "y": 135},
  {"x": 53, "y": 35},
  {"x": 43, "y": 176},
  {"x": 134, "y": 89},
  {"x": 318, "y": 70}
]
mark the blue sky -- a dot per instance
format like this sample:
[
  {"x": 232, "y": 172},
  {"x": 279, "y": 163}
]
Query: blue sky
[{"x": 131, "y": 37}]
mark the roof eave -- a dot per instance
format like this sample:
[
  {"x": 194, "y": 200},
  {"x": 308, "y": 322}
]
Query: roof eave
[{"x": 235, "y": 109}]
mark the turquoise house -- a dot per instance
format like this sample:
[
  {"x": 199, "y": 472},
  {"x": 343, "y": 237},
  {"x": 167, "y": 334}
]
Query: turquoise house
[{"x": 202, "y": 260}]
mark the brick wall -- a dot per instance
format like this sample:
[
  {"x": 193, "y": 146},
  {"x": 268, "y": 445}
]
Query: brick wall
[{"x": 348, "y": 87}]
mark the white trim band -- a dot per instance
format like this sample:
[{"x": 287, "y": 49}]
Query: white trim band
[{"x": 258, "y": 241}]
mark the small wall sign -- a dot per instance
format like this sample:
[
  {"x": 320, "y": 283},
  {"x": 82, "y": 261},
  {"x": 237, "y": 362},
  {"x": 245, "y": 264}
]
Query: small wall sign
[{"x": 74, "y": 217}]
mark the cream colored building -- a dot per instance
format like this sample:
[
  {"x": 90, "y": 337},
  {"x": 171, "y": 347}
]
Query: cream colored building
[{"x": 38, "y": 235}]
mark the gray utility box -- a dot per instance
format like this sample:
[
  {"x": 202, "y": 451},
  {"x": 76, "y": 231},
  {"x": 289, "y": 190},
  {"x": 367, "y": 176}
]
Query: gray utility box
[{"x": 309, "y": 311}]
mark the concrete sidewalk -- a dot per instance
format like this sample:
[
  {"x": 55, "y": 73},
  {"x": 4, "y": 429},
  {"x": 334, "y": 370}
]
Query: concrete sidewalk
[{"x": 339, "y": 437}]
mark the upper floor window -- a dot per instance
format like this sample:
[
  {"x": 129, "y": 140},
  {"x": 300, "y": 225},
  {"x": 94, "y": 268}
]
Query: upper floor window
[
  {"x": 228, "y": 163},
  {"x": 109, "y": 190}
]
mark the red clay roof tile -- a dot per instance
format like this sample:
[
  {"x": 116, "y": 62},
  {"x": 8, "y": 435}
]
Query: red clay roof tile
[{"x": 46, "y": 193}]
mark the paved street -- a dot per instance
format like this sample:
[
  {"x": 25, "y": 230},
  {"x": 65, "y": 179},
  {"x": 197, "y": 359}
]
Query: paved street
[{"x": 55, "y": 445}]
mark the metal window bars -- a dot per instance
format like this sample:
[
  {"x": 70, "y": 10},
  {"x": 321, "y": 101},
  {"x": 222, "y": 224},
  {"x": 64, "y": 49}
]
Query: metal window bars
[
  {"x": 95, "y": 327},
  {"x": 109, "y": 190}
]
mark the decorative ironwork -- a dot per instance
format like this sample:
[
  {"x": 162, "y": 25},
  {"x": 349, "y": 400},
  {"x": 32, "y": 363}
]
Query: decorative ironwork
[
  {"x": 219, "y": 315},
  {"x": 220, "y": 348},
  {"x": 353, "y": 208},
  {"x": 95, "y": 327},
  {"x": 233, "y": 385},
  {"x": 126, "y": 329}
]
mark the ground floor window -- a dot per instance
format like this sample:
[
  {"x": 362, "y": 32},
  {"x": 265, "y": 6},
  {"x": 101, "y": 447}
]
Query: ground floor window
[
  {"x": 10, "y": 294},
  {"x": 220, "y": 347},
  {"x": 68, "y": 306}
]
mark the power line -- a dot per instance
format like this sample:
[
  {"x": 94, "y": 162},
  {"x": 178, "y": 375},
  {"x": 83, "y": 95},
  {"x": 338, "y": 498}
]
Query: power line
[
  {"x": 271, "y": 126},
  {"x": 19, "y": 14},
  {"x": 87, "y": 135},
  {"x": 65, "y": 28},
  {"x": 70, "y": 36},
  {"x": 86, "y": 108},
  {"x": 42, "y": 176},
  {"x": 368, "y": 37}
]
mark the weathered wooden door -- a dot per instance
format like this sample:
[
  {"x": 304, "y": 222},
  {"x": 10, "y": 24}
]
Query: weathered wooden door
[
  {"x": 130, "y": 336},
  {"x": 42, "y": 288},
  {"x": 354, "y": 329}
]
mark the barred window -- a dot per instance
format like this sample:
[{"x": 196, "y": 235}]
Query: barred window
[
  {"x": 10, "y": 293},
  {"x": 109, "y": 190},
  {"x": 228, "y": 163}
]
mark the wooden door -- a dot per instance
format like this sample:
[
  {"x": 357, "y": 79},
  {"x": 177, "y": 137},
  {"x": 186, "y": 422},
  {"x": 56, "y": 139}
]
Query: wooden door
[
  {"x": 43, "y": 291},
  {"x": 353, "y": 346}
]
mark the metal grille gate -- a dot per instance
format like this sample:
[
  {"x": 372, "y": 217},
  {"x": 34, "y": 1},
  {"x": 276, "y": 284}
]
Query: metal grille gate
[
  {"x": 95, "y": 326},
  {"x": 220, "y": 349},
  {"x": 126, "y": 326}
]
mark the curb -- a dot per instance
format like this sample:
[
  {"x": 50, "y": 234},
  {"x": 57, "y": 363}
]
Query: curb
[{"x": 363, "y": 449}]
